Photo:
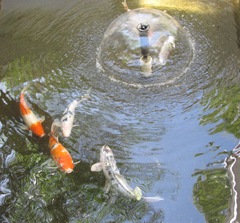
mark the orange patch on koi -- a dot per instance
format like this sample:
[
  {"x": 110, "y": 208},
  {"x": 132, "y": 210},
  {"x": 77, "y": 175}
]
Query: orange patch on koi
[
  {"x": 60, "y": 155},
  {"x": 31, "y": 121}
]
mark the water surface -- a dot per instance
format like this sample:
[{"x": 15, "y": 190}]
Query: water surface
[{"x": 170, "y": 140}]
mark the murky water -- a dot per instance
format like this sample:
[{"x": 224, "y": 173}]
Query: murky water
[{"x": 170, "y": 140}]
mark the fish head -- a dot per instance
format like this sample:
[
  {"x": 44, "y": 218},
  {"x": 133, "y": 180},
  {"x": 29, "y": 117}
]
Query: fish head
[
  {"x": 63, "y": 160},
  {"x": 66, "y": 166},
  {"x": 105, "y": 152},
  {"x": 106, "y": 149},
  {"x": 68, "y": 170},
  {"x": 74, "y": 104}
]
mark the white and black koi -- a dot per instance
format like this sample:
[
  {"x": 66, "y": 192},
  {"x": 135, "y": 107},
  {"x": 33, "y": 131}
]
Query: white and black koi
[
  {"x": 67, "y": 119},
  {"x": 114, "y": 178},
  {"x": 108, "y": 165}
]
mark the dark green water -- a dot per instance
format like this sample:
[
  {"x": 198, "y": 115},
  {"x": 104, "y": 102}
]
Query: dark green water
[{"x": 170, "y": 140}]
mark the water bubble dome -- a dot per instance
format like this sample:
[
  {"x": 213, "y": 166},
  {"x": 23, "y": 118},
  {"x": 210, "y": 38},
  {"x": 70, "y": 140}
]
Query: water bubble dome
[{"x": 120, "y": 51}]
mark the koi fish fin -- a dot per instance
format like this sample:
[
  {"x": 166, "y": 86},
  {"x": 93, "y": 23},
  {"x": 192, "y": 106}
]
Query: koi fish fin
[
  {"x": 23, "y": 127},
  {"x": 86, "y": 96},
  {"x": 107, "y": 186},
  {"x": 54, "y": 128},
  {"x": 113, "y": 198},
  {"x": 137, "y": 193},
  {"x": 125, "y": 6},
  {"x": 57, "y": 122},
  {"x": 42, "y": 119},
  {"x": 49, "y": 165},
  {"x": 75, "y": 163},
  {"x": 153, "y": 199},
  {"x": 97, "y": 167},
  {"x": 25, "y": 88}
]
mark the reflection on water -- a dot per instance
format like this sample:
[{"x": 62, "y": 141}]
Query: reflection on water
[
  {"x": 222, "y": 106},
  {"x": 159, "y": 134},
  {"x": 190, "y": 6},
  {"x": 214, "y": 203},
  {"x": 233, "y": 164}
]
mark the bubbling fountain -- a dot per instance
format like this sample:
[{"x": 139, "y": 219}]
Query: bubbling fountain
[{"x": 144, "y": 47}]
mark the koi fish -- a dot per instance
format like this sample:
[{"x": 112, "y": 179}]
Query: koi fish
[
  {"x": 113, "y": 177},
  {"x": 67, "y": 120},
  {"x": 167, "y": 47},
  {"x": 125, "y": 6},
  {"x": 59, "y": 153},
  {"x": 32, "y": 122}
]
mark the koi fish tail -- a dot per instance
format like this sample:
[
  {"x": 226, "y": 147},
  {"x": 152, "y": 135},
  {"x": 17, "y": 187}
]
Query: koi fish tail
[
  {"x": 25, "y": 88},
  {"x": 153, "y": 199},
  {"x": 137, "y": 193},
  {"x": 86, "y": 96},
  {"x": 54, "y": 128},
  {"x": 23, "y": 104},
  {"x": 125, "y": 6}
]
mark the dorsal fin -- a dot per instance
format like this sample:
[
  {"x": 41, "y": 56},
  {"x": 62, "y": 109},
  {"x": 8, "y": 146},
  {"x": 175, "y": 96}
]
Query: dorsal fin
[{"x": 96, "y": 167}]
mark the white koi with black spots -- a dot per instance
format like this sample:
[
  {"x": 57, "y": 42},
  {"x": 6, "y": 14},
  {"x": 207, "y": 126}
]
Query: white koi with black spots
[
  {"x": 67, "y": 119},
  {"x": 109, "y": 167}
]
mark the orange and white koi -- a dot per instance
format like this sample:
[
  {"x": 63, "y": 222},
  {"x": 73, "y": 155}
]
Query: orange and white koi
[
  {"x": 59, "y": 153},
  {"x": 32, "y": 122}
]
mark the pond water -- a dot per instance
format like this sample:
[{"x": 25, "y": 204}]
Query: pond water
[{"x": 171, "y": 140}]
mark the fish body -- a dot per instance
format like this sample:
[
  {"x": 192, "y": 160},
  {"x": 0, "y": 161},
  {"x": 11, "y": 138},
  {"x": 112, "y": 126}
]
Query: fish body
[
  {"x": 32, "y": 122},
  {"x": 114, "y": 178},
  {"x": 68, "y": 115},
  {"x": 68, "y": 118},
  {"x": 167, "y": 47},
  {"x": 60, "y": 154},
  {"x": 125, "y": 6}
]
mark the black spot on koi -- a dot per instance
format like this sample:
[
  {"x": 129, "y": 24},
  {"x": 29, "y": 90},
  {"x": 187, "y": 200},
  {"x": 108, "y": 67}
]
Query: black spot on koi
[{"x": 65, "y": 119}]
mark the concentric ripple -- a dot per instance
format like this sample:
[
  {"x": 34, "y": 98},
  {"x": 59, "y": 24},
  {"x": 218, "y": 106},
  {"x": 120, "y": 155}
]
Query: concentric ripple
[{"x": 119, "y": 53}]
